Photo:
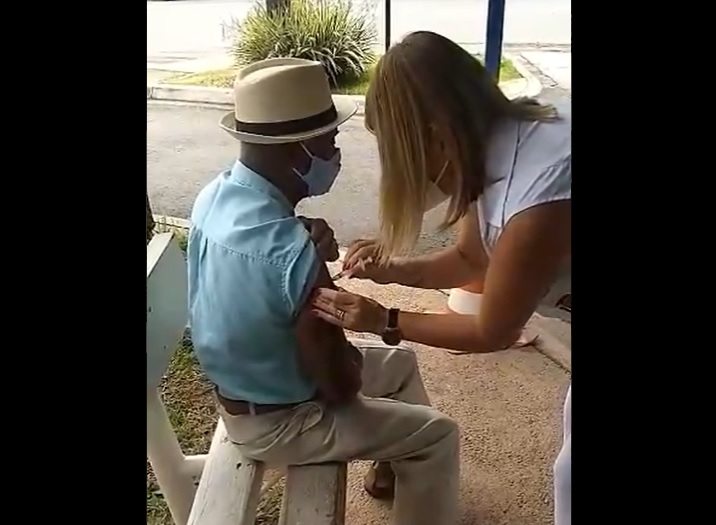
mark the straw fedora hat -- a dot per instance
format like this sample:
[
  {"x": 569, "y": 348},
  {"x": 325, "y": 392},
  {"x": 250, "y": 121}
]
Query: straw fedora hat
[{"x": 282, "y": 100}]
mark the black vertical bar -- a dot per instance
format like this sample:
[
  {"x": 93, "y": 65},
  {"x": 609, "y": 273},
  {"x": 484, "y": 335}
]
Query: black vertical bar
[{"x": 387, "y": 24}]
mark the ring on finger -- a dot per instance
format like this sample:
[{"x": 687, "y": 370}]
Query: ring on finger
[{"x": 340, "y": 314}]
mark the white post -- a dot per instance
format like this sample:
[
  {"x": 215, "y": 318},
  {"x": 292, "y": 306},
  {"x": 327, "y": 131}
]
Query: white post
[
  {"x": 194, "y": 465},
  {"x": 167, "y": 460}
]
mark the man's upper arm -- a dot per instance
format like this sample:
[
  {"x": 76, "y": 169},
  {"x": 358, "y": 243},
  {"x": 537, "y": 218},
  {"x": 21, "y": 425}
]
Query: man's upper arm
[
  {"x": 301, "y": 274},
  {"x": 321, "y": 346},
  {"x": 305, "y": 274}
]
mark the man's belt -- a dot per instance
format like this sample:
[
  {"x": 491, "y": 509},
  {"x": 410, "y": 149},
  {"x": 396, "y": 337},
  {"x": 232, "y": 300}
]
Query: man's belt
[{"x": 242, "y": 408}]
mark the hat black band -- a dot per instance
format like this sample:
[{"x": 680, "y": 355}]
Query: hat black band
[{"x": 289, "y": 127}]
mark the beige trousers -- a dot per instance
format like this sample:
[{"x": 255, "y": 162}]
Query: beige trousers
[{"x": 391, "y": 421}]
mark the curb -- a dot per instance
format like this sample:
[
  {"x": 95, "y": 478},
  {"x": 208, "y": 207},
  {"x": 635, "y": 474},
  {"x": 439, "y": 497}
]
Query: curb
[
  {"x": 172, "y": 222},
  {"x": 533, "y": 86},
  {"x": 550, "y": 345},
  {"x": 528, "y": 86}
]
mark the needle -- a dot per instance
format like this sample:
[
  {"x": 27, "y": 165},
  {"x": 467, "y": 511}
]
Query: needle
[{"x": 362, "y": 263}]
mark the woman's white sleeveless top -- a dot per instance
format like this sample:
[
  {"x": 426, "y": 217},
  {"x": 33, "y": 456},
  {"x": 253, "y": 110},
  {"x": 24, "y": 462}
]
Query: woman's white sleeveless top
[{"x": 528, "y": 163}]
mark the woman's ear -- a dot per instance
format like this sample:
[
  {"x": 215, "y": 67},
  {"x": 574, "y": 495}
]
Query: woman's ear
[
  {"x": 436, "y": 148},
  {"x": 441, "y": 136},
  {"x": 443, "y": 144},
  {"x": 450, "y": 151}
]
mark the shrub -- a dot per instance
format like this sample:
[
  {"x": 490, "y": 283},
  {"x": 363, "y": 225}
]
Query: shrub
[{"x": 329, "y": 31}]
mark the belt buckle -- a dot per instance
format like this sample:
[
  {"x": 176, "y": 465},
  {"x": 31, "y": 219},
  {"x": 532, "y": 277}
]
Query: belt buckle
[{"x": 252, "y": 408}]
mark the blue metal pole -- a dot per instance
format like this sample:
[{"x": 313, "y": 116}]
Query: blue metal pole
[{"x": 493, "y": 41}]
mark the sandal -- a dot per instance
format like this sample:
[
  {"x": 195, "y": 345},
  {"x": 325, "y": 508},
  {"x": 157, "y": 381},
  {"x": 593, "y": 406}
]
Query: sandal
[{"x": 379, "y": 482}]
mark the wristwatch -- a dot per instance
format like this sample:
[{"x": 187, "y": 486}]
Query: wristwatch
[{"x": 392, "y": 336}]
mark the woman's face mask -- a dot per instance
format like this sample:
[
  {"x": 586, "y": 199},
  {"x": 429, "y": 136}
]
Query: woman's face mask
[{"x": 434, "y": 196}]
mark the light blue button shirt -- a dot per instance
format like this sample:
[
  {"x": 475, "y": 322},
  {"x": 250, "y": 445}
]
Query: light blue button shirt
[{"x": 251, "y": 265}]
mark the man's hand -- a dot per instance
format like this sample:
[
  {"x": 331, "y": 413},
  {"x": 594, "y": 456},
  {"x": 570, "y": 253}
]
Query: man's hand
[{"x": 323, "y": 237}]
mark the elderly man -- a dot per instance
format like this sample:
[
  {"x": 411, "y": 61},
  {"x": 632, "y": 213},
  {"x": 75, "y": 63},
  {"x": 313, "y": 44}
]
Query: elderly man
[{"x": 290, "y": 387}]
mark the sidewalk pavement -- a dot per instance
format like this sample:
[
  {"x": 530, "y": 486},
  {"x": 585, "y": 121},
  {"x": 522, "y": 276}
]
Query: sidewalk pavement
[
  {"x": 509, "y": 408},
  {"x": 555, "y": 64},
  {"x": 189, "y": 64}
]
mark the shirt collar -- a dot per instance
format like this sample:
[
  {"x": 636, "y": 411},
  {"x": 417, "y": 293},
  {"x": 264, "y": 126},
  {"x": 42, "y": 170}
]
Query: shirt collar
[{"x": 248, "y": 177}]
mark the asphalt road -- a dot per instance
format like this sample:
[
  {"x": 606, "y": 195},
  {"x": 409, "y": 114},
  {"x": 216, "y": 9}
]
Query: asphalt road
[
  {"x": 193, "y": 28},
  {"x": 186, "y": 149}
]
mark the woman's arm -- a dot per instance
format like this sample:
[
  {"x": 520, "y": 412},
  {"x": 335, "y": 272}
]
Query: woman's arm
[
  {"x": 524, "y": 264},
  {"x": 452, "y": 267},
  {"x": 526, "y": 261}
]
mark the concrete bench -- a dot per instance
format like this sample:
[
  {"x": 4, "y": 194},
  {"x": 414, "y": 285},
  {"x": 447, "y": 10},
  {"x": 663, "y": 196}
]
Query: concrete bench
[{"x": 230, "y": 486}]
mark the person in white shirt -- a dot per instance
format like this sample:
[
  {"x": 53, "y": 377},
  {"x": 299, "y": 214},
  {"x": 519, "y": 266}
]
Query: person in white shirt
[{"x": 445, "y": 131}]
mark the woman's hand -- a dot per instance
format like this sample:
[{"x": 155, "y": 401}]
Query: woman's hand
[
  {"x": 350, "y": 311},
  {"x": 359, "y": 262}
]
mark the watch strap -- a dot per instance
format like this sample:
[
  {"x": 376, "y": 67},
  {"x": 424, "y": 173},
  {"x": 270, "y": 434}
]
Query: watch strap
[{"x": 392, "y": 319}]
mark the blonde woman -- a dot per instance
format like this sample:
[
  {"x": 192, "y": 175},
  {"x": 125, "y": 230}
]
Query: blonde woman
[{"x": 445, "y": 131}]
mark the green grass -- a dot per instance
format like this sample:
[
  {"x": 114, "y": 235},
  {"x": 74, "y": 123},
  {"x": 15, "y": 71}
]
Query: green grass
[
  {"x": 224, "y": 78},
  {"x": 189, "y": 401},
  {"x": 508, "y": 71}
]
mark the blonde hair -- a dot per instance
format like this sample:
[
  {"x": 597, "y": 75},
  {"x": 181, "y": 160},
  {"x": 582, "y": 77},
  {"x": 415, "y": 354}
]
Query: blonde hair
[{"x": 428, "y": 97}]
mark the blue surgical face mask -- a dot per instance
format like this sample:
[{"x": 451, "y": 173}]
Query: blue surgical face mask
[{"x": 321, "y": 173}]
